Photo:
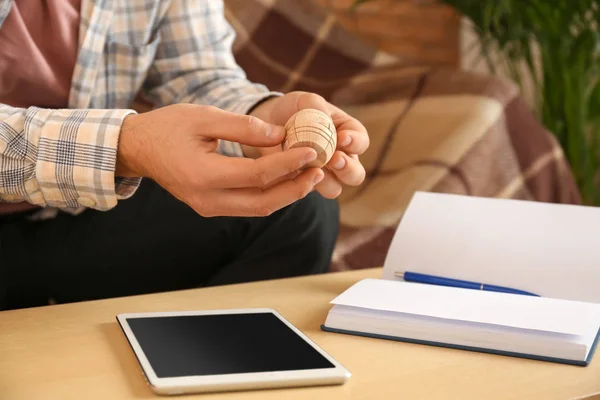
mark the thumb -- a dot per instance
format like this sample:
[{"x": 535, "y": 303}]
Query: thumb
[{"x": 243, "y": 129}]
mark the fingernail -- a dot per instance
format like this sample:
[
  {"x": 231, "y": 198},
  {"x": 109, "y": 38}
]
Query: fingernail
[
  {"x": 318, "y": 178},
  {"x": 339, "y": 164},
  {"x": 312, "y": 156},
  {"x": 347, "y": 141}
]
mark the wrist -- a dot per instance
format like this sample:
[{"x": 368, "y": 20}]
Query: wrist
[
  {"x": 264, "y": 109},
  {"x": 128, "y": 150}
]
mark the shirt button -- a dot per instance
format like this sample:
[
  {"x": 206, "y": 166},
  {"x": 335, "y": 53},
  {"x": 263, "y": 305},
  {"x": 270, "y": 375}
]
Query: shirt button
[{"x": 86, "y": 202}]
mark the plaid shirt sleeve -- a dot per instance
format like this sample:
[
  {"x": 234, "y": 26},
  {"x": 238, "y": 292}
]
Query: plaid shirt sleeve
[
  {"x": 66, "y": 158},
  {"x": 61, "y": 158},
  {"x": 194, "y": 63}
]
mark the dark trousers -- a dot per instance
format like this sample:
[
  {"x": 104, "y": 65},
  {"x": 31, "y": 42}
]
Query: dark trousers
[{"x": 152, "y": 243}]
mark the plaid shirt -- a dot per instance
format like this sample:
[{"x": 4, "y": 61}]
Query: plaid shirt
[{"x": 171, "y": 51}]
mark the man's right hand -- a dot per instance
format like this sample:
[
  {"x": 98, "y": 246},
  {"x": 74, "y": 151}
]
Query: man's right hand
[{"x": 176, "y": 147}]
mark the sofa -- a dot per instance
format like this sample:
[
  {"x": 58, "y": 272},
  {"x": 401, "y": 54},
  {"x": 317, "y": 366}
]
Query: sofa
[{"x": 433, "y": 127}]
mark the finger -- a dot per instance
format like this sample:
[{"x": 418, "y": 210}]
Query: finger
[
  {"x": 352, "y": 142},
  {"x": 244, "y": 129},
  {"x": 240, "y": 172},
  {"x": 329, "y": 187},
  {"x": 286, "y": 192},
  {"x": 256, "y": 202},
  {"x": 352, "y": 135},
  {"x": 291, "y": 175},
  {"x": 347, "y": 169}
]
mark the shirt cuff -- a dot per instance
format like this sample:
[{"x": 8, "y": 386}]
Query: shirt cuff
[{"x": 77, "y": 155}]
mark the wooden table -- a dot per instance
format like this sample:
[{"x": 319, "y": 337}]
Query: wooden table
[{"x": 77, "y": 351}]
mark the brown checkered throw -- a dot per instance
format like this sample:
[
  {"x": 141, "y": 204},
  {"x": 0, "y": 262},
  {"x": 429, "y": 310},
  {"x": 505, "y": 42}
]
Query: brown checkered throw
[{"x": 431, "y": 129}]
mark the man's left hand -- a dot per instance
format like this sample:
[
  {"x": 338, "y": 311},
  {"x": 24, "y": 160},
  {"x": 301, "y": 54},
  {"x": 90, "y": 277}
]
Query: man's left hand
[{"x": 344, "y": 167}]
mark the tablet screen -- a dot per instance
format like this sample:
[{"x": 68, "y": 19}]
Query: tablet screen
[{"x": 223, "y": 344}]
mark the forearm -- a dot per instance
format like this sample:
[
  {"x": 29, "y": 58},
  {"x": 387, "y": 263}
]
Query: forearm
[{"x": 61, "y": 158}]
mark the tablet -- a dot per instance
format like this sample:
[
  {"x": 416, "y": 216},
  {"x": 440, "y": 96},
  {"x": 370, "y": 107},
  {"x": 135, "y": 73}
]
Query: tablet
[{"x": 222, "y": 350}]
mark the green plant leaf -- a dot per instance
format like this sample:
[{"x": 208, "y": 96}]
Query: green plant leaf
[{"x": 594, "y": 100}]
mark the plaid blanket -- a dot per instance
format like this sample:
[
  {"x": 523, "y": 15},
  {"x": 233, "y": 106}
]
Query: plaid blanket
[{"x": 432, "y": 128}]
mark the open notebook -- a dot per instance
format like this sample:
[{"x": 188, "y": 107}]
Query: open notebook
[{"x": 548, "y": 249}]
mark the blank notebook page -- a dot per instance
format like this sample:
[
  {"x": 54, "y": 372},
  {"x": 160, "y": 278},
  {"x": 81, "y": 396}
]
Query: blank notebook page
[
  {"x": 517, "y": 311},
  {"x": 552, "y": 250}
]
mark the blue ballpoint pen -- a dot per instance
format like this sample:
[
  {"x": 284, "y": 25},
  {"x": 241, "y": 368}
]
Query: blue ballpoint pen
[{"x": 437, "y": 280}]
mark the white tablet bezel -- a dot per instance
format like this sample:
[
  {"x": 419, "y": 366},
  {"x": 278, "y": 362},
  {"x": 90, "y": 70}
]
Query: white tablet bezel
[{"x": 211, "y": 383}]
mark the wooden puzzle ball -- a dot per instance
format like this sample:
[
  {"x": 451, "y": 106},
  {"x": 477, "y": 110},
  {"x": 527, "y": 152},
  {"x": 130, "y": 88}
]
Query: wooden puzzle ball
[{"x": 312, "y": 128}]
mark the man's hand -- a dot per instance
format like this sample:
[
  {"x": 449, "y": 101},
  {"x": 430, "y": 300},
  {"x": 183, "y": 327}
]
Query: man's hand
[
  {"x": 176, "y": 147},
  {"x": 353, "y": 140}
]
